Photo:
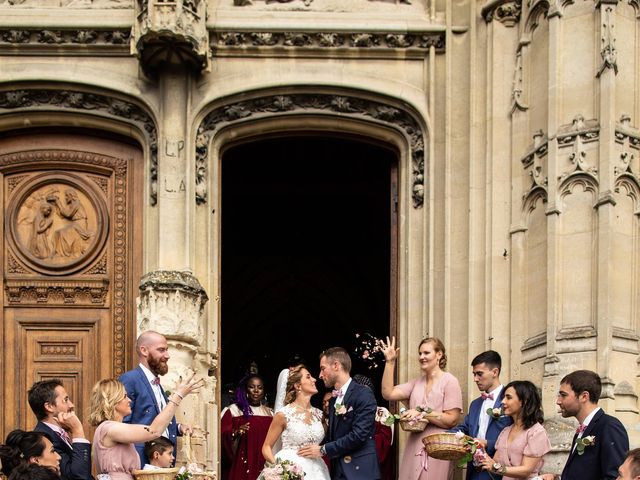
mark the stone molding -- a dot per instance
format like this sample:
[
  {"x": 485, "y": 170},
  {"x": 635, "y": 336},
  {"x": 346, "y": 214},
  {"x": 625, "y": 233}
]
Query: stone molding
[
  {"x": 228, "y": 41},
  {"x": 69, "y": 100},
  {"x": 505, "y": 11},
  {"x": 301, "y": 103},
  {"x": 608, "y": 50},
  {"x": 77, "y": 41}
]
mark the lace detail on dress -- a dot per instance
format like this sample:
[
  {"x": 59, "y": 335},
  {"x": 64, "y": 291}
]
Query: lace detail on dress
[{"x": 298, "y": 432}]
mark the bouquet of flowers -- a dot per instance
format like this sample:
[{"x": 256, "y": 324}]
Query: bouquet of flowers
[
  {"x": 369, "y": 350},
  {"x": 281, "y": 470}
]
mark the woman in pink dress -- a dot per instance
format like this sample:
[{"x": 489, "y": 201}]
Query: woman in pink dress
[
  {"x": 520, "y": 446},
  {"x": 434, "y": 389},
  {"x": 114, "y": 452}
]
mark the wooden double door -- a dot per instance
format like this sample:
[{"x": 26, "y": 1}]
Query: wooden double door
[{"x": 71, "y": 262}]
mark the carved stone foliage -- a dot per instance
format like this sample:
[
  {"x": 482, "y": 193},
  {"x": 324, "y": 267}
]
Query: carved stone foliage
[
  {"x": 505, "y": 11},
  {"x": 58, "y": 223},
  {"x": 535, "y": 162},
  {"x": 172, "y": 301},
  {"x": 95, "y": 103},
  {"x": 328, "y": 40},
  {"x": 171, "y": 33},
  {"x": 517, "y": 98},
  {"x": 607, "y": 40},
  {"x": 576, "y": 135},
  {"x": 628, "y": 138},
  {"x": 70, "y": 39},
  {"x": 273, "y": 105}
]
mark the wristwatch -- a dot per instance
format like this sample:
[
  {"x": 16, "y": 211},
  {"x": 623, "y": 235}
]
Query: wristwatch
[
  {"x": 498, "y": 468},
  {"x": 323, "y": 451}
]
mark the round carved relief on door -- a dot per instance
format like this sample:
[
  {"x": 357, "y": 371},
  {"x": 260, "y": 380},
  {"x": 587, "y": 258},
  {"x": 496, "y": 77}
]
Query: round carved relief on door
[{"x": 58, "y": 223}]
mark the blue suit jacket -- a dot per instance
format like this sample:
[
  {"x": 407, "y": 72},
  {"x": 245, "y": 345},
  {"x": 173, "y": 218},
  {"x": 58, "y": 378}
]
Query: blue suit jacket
[
  {"x": 471, "y": 425},
  {"x": 350, "y": 440},
  {"x": 75, "y": 463},
  {"x": 602, "y": 459},
  {"x": 144, "y": 407}
]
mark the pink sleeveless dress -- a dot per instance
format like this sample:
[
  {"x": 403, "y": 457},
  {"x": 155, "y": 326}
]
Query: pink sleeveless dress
[{"x": 118, "y": 461}]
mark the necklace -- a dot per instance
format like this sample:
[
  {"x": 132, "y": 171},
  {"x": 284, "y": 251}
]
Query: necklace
[{"x": 300, "y": 407}]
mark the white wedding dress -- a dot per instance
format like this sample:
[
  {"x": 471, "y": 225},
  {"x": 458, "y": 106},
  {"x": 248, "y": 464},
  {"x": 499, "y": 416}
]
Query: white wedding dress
[{"x": 297, "y": 434}]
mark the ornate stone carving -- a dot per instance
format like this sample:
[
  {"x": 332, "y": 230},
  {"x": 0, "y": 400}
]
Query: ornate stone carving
[
  {"x": 39, "y": 292},
  {"x": 172, "y": 301},
  {"x": 576, "y": 134},
  {"x": 517, "y": 100},
  {"x": 171, "y": 33},
  {"x": 505, "y": 11},
  {"x": 66, "y": 38},
  {"x": 99, "y": 104},
  {"x": 111, "y": 4},
  {"x": 629, "y": 140},
  {"x": 328, "y": 40},
  {"x": 310, "y": 103},
  {"x": 608, "y": 41},
  {"x": 534, "y": 162}
]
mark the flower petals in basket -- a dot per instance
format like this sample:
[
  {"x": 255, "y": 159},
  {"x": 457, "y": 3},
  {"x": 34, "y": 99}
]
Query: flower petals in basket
[
  {"x": 446, "y": 445},
  {"x": 414, "y": 425},
  {"x": 158, "y": 474}
]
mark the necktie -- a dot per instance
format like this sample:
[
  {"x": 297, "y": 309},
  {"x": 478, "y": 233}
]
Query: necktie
[
  {"x": 336, "y": 393},
  {"x": 581, "y": 428},
  {"x": 485, "y": 396},
  {"x": 64, "y": 436},
  {"x": 155, "y": 381}
]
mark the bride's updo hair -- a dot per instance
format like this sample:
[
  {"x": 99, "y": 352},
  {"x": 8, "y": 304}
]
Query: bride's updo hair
[{"x": 294, "y": 378}]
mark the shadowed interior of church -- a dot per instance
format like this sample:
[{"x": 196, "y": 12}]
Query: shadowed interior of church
[{"x": 307, "y": 246}]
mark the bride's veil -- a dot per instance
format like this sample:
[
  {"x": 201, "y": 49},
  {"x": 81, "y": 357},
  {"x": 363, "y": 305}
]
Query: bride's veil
[{"x": 281, "y": 389}]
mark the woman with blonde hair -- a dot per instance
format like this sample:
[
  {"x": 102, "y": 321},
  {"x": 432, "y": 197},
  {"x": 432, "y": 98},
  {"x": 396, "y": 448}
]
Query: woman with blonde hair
[
  {"x": 436, "y": 390},
  {"x": 113, "y": 441},
  {"x": 298, "y": 424}
]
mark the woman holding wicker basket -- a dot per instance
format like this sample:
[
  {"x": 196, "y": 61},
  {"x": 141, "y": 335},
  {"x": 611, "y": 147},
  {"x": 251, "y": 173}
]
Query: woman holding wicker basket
[
  {"x": 520, "y": 446},
  {"x": 113, "y": 442},
  {"x": 434, "y": 399}
]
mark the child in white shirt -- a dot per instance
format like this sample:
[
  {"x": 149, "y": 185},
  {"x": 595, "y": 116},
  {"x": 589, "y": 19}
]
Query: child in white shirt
[{"x": 160, "y": 454}]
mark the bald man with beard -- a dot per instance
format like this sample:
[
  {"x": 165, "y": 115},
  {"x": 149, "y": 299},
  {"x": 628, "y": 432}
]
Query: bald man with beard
[{"x": 143, "y": 387}]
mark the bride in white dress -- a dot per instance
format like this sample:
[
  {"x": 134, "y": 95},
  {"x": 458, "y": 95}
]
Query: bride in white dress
[{"x": 298, "y": 424}]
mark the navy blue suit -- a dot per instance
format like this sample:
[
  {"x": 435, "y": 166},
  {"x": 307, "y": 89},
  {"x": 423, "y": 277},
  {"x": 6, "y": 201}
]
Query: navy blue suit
[
  {"x": 350, "y": 440},
  {"x": 602, "y": 459},
  {"x": 144, "y": 407},
  {"x": 75, "y": 463},
  {"x": 471, "y": 425}
]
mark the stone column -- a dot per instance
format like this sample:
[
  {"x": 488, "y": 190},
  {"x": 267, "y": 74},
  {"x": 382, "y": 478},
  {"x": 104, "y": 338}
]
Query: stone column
[{"x": 172, "y": 303}]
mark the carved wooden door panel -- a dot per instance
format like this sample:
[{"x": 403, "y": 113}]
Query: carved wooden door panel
[{"x": 70, "y": 265}]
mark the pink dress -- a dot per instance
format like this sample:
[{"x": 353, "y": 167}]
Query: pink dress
[
  {"x": 444, "y": 395},
  {"x": 118, "y": 461},
  {"x": 533, "y": 442}
]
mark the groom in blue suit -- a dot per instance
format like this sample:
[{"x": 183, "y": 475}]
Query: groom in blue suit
[
  {"x": 143, "y": 387},
  {"x": 478, "y": 423},
  {"x": 349, "y": 442}
]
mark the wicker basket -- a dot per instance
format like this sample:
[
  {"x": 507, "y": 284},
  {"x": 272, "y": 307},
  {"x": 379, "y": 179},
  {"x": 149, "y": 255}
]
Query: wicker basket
[
  {"x": 159, "y": 474},
  {"x": 415, "y": 426},
  {"x": 445, "y": 446}
]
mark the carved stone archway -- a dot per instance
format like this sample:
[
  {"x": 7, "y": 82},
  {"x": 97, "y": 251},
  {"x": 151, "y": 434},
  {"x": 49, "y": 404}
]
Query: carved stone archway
[{"x": 400, "y": 118}]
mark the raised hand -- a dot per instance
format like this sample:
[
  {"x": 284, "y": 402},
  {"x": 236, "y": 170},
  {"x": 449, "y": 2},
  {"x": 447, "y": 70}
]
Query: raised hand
[
  {"x": 389, "y": 349},
  {"x": 70, "y": 422},
  {"x": 190, "y": 385}
]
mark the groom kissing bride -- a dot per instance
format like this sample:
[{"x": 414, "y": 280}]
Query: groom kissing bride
[{"x": 348, "y": 442}]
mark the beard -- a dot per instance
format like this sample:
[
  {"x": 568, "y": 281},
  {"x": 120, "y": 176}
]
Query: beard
[{"x": 157, "y": 365}]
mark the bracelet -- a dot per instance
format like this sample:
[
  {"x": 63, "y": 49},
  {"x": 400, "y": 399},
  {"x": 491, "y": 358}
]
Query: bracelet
[
  {"x": 181, "y": 397},
  {"x": 174, "y": 402}
]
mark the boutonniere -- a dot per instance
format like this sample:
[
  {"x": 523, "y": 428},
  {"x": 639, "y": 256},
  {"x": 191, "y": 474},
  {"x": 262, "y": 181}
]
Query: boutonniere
[
  {"x": 342, "y": 409},
  {"x": 584, "y": 442},
  {"x": 495, "y": 412}
]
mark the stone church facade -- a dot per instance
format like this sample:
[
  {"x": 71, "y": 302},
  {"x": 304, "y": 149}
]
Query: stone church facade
[{"x": 515, "y": 127}]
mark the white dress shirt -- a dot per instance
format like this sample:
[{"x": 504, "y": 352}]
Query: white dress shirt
[
  {"x": 483, "y": 421},
  {"x": 157, "y": 392}
]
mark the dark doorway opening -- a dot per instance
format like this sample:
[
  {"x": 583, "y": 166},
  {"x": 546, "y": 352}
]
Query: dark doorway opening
[{"x": 308, "y": 252}]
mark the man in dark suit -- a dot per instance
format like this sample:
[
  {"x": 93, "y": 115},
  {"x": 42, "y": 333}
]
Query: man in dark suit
[
  {"x": 56, "y": 417},
  {"x": 601, "y": 441},
  {"x": 478, "y": 423},
  {"x": 350, "y": 440},
  {"x": 143, "y": 387}
]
